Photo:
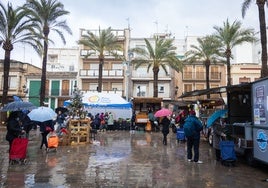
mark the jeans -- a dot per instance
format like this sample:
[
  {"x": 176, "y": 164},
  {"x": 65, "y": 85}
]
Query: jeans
[{"x": 193, "y": 143}]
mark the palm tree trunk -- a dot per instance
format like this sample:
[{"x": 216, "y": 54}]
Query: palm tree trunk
[
  {"x": 207, "y": 65},
  {"x": 155, "y": 71},
  {"x": 100, "y": 75},
  {"x": 43, "y": 77},
  {"x": 228, "y": 56},
  {"x": 264, "y": 69},
  {"x": 6, "y": 76}
]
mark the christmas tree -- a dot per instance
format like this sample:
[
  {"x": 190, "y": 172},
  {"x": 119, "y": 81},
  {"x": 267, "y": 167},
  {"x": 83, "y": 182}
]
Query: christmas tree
[{"x": 76, "y": 109}]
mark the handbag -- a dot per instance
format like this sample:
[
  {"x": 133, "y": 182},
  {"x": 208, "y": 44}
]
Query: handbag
[{"x": 48, "y": 128}]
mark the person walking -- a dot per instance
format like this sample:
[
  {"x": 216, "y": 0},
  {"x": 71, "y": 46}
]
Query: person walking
[
  {"x": 133, "y": 119},
  {"x": 151, "y": 119},
  {"x": 45, "y": 128},
  {"x": 14, "y": 128},
  {"x": 192, "y": 128},
  {"x": 165, "y": 129}
]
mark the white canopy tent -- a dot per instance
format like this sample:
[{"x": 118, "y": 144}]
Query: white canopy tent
[{"x": 105, "y": 102}]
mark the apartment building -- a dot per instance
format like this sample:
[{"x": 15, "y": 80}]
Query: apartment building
[
  {"x": 62, "y": 59},
  {"x": 142, "y": 79},
  {"x": 17, "y": 78},
  {"x": 114, "y": 71},
  {"x": 245, "y": 72}
]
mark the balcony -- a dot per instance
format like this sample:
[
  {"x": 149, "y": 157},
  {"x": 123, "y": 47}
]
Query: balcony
[
  {"x": 107, "y": 73},
  {"x": 200, "y": 76}
]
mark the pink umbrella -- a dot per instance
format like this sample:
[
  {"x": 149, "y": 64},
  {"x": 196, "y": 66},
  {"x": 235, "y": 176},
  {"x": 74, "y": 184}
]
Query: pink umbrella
[{"x": 163, "y": 112}]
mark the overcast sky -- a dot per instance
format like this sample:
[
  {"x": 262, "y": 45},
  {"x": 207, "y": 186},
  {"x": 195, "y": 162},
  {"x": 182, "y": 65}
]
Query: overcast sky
[{"x": 145, "y": 17}]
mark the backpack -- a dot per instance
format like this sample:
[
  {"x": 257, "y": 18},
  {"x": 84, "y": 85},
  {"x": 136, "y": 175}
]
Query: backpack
[{"x": 189, "y": 128}]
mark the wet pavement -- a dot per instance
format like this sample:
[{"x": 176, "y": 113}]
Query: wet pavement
[{"x": 120, "y": 159}]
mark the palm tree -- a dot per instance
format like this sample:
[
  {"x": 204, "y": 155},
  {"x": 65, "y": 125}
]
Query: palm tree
[
  {"x": 260, "y": 4},
  {"x": 232, "y": 35},
  {"x": 161, "y": 55},
  {"x": 47, "y": 14},
  {"x": 104, "y": 42},
  {"x": 208, "y": 52},
  {"x": 14, "y": 28}
]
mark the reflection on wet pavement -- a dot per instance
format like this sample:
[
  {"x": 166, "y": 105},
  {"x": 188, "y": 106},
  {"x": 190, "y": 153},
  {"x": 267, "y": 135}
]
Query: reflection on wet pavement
[{"x": 121, "y": 159}]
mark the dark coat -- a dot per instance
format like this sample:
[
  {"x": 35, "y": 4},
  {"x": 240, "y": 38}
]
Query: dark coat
[
  {"x": 13, "y": 129},
  {"x": 27, "y": 124},
  {"x": 165, "y": 125},
  {"x": 60, "y": 118},
  {"x": 218, "y": 133},
  {"x": 43, "y": 125}
]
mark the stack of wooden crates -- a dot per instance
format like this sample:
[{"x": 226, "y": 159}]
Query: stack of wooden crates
[{"x": 79, "y": 130}]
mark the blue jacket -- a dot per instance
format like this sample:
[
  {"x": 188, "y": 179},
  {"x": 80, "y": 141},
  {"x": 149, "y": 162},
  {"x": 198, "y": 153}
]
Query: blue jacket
[{"x": 197, "y": 125}]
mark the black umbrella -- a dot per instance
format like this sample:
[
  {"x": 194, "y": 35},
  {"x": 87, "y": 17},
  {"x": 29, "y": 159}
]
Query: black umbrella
[{"x": 62, "y": 109}]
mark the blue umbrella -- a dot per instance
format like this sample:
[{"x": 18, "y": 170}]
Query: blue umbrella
[
  {"x": 215, "y": 116},
  {"x": 16, "y": 98},
  {"x": 18, "y": 106}
]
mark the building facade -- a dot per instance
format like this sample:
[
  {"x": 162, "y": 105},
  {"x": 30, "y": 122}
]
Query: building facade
[
  {"x": 114, "y": 71},
  {"x": 17, "y": 82},
  {"x": 62, "y": 59}
]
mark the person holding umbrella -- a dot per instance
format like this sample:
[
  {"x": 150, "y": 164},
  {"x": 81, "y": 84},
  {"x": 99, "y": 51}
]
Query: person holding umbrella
[
  {"x": 45, "y": 128},
  {"x": 165, "y": 128},
  {"x": 14, "y": 128}
]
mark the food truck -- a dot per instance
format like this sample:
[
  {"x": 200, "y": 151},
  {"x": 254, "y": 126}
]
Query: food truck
[
  {"x": 141, "y": 105},
  {"x": 260, "y": 119},
  {"x": 247, "y": 121}
]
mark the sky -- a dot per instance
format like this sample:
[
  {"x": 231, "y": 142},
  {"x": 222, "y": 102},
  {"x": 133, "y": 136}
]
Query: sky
[{"x": 180, "y": 18}]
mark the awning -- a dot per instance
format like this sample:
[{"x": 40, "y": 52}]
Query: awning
[{"x": 204, "y": 92}]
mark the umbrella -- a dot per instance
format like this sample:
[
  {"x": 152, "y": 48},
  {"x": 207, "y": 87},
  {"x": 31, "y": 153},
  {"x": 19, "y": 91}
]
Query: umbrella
[
  {"x": 18, "y": 106},
  {"x": 62, "y": 109},
  {"x": 16, "y": 98},
  {"x": 163, "y": 112},
  {"x": 42, "y": 114},
  {"x": 217, "y": 114}
]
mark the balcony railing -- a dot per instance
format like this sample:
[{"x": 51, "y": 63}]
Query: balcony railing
[
  {"x": 201, "y": 76},
  {"x": 105, "y": 73}
]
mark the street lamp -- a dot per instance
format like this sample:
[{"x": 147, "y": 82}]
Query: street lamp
[{"x": 127, "y": 73}]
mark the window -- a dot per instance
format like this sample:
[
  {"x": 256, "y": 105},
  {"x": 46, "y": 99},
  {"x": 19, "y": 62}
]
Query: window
[
  {"x": 244, "y": 80},
  {"x": 53, "y": 58},
  {"x": 93, "y": 86},
  {"x": 13, "y": 82},
  {"x": 94, "y": 66},
  {"x": 83, "y": 52},
  {"x": 214, "y": 73},
  {"x": 188, "y": 87},
  {"x": 141, "y": 90},
  {"x": 160, "y": 89},
  {"x": 142, "y": 72},
  {"x": 188, "y": 72},
  {"x": 117, "y": 66},
  {"x": 71, "y": 68},
  {"x": 200, "y": 72},
  {"x": 119, "y": 86}
]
